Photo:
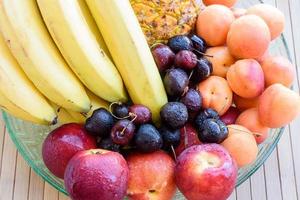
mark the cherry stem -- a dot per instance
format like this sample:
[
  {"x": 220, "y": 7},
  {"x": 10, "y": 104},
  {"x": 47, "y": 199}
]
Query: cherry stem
[
  {"x": 134, "y": 118},
  {"x": 185, "y": 137},
  {"x": 203, "y": 54},
  {"x": 238, "y": 130},
  {"x": 173, "y": 151},
  {"x": 111, "y": 112},
  {"x": 191, "y": 74}
]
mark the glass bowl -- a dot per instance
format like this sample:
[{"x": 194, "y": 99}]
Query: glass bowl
[{"x": 29, "y": 137}]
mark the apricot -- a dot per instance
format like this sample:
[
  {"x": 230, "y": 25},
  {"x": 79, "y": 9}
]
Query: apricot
[
  {"x": 216, "y": 94},
  {"x": 228, "y": 3},
  {"x": 241, "y": 145},
  {"x": 263, "y": 57},
  {"x": 246, "y": 78},
  {"x": 278, "y": 69},
  {"x": 250, "y": 119},
  {"x": 238, "y": 12},
  {"x": 221, "y": 60},
  {"x": 272, "y": 16},
  {"x": 243, "y": 103},
  {"x": 278, "y": 106},
  {"x": 248, "y": 37},
  {"x": 213, "y": 24}
]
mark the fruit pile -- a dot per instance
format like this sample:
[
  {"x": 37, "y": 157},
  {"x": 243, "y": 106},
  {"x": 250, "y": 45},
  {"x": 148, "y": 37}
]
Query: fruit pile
[{"x": 186, "y": 113}]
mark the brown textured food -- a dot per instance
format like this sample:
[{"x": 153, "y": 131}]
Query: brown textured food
[{"x": 160, "y": 20}]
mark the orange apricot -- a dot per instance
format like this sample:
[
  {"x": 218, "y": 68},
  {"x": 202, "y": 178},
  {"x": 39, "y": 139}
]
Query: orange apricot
[
  {"x": 248, "y": 37},
  {"x": 272, "y": 16},
  {"x": 250, "y": 119},
  {"x": 228, "y": 3},
  {"x": 278, "y": 69},
  {"x": 278, "y": 106},
  {"x": 221, "y": 60},
  {"x": 213, "y": 24},
  {"x": 216, "y": 94},
  {"x": 246, "y": 78},
  {"x": 244, "y": 103},
  {"x": 241, "y": 144}
]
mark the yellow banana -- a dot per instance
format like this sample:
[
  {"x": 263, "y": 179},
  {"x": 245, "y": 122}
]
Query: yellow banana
[
  {"x": 129, "y": 49},
  {"x": 63, "y": 117},
  {"x": 14, "y": 110},
  {"x": 96, "y": 103},
  {"x": 80, "y": 42},
  {"x": 20, "y": 92},
  {"x": 25, "y": 33}
]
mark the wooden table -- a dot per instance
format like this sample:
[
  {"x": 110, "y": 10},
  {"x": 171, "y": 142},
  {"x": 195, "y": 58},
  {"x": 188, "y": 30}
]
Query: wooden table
[{"x": 278, "y": 178}]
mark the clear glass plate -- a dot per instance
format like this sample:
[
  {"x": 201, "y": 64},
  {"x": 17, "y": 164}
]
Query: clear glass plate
[{"x": 29, "y": 137}]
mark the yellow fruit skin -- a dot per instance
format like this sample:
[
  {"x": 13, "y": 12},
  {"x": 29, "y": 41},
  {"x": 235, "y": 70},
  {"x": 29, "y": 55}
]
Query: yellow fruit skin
[
  {"x": 9, "y": 107},
  {"x": 25, "y": 33},
  {"x": 18, "y": 94},
  {"x": 80, "y": 42},
  {"x": 63, "y": 117},
  {"x": 96, "y": 103},
  {"x": 132, "y": 56}
]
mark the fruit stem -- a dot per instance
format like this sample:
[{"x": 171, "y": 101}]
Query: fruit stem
[
  {"x": 111, "y": 112},
  {"x": 134, "y": 118},
  {"x": 173, "y": 151},
  {"x": 203, "y": 54},
  {"x": 239, "y": 130}
]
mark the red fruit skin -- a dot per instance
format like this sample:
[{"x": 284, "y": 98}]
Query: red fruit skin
[
  {"x": 163, "y": 62},
  {"x": 205, "y": 182},
  {"x": 188, "y": 138},
  {"x": 230, "y": 116},
  {"x": 62, "y": 144},
  {"x": 143, "y": 114},
  {"x": 153, "y": 171},
  {"x": 97, "y": 174}
]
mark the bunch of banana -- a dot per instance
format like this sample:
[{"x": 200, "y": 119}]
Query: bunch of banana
[
  {"x": 76, "y": 34},
  {"x": 27, "y": 36},
  {"x": 18, "y": 95},
  {"x": 131, "y": 54}
]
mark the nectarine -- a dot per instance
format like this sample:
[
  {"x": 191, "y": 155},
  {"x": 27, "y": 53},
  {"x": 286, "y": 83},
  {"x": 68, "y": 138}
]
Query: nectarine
[
  {"x": 216, "y": 94},
  {"x": 278, "y": 69},
  {"x": 248, "y": 37},
  {"x": 271, "y": 15},
  {"x": 228, "y": 3},
  {"x": 278, "y": 106},
  {"x": 213, "y": 24},
  {"x": 250, "y": 119},
  {"x": 246, "y": 78},
  {"x": 221, "y": 60},
  {"x": 241, "y": 145}
]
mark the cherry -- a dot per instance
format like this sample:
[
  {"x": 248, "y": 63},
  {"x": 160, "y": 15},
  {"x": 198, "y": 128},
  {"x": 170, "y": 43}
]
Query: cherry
[
  {"x": 140, "y": 114},
  {"x": 122, "y": 132},
  {"x": 186, "y": 60},
  {"x": 163, "y": 56}
]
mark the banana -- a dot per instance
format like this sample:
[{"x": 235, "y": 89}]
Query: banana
[
  {"x": 25, "y": 33},
  {"x": 9, "y": 107},
  {"x": 127, "y": 44},
  {"x": 19, "y": 93},
  {"x": 96, "y": 103},
  {"x": 80, "y": 42},
  {"x": 63, "y": 117}
]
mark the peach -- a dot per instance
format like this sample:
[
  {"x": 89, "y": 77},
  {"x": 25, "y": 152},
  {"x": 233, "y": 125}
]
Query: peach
[
  {"x": 250, "y": 119},
  {"x": 243, "y": 103},
  {"x": 278, "y": 69},
  {"x": 238, "y": 12},
  {"x": 272, "y": 16},
  {"x": 213, "y": 24},
  {"x": 216, "y": 94},
  {"x": 241, "y": 145},
  {"x": 278, "y": 106},
  {"x": 228, "y": 3},
  {"x": 246, "y": 78},
  {"x": 248, "y": 37},
  {"x": 263, "y": 57},
  {"x": 221, "y": 60}
]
